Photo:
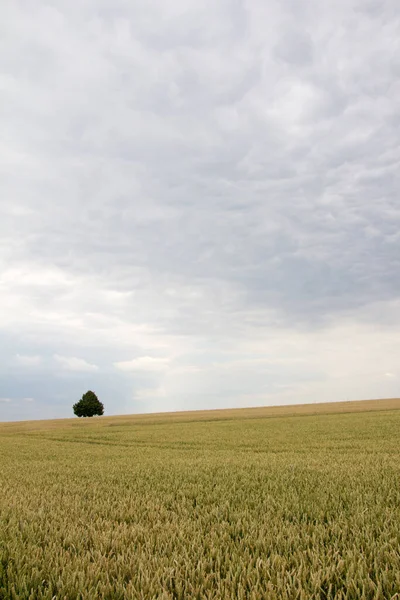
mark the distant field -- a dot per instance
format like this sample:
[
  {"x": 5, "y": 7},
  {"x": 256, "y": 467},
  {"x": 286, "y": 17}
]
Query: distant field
[{"x": 299, "y": 502}]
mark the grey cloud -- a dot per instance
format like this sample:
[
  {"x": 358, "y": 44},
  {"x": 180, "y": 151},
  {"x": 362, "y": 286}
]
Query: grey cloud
[
  {"x": 178, "y": 175},
  {"x": 295, "y": 47}
]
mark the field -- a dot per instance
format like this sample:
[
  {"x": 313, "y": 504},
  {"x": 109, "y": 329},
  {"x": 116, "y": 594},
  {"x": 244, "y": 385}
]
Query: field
[{"x": 281, "y": 503}]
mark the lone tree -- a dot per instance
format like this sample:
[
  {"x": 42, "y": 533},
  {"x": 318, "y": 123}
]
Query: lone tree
[{"x": 88, "y": 406}]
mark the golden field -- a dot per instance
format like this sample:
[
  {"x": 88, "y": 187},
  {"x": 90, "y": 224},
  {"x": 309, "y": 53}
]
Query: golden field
[{"x": 293, "y": 502}]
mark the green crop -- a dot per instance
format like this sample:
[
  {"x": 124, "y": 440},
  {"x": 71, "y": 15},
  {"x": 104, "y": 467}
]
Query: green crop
[{"x": 218, "y": 505}]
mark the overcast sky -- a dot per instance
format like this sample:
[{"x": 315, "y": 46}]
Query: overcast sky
[{"x": 199, "y": 203}]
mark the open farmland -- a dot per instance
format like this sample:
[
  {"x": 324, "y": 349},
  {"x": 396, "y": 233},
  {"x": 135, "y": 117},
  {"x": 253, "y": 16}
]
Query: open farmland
[{"x": 281, "y": 503}]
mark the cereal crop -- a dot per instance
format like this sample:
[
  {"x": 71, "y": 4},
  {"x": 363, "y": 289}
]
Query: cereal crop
[{"x": 290, "y": 503}]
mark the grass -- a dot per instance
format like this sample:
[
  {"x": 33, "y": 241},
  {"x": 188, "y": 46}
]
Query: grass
[{"x": 281, "y": 503}]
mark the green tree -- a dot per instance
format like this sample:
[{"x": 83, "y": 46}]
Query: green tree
[{"x": 88, "y": 406}]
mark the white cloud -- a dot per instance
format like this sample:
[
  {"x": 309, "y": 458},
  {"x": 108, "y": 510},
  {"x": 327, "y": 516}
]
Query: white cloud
[
  {"x": 29, "y": 399},
  {"x": 143, "y": 363},
  {"x": 5, "y": 400},
  {"x": 150, "y": 393},
  {"x": 72, "y": 363},
  {"x": 27, "y": 360}
]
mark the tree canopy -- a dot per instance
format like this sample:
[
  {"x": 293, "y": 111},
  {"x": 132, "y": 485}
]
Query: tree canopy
[{"x": 88, "y": 406}]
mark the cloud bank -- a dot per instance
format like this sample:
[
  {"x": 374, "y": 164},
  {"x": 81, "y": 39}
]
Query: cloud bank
[{"x": 200, "y": 203}]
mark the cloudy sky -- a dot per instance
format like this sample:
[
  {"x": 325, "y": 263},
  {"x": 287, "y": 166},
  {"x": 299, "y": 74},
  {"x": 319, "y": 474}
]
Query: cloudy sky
[{"x": 199, "y": 203}]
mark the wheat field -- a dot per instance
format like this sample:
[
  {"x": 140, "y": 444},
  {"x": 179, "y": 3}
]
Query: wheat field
[{"x": 276, "y": 503}]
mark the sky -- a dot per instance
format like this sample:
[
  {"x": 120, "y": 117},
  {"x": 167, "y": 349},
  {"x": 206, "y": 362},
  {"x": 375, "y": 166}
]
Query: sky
[{"x": 199, "y": 203}]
